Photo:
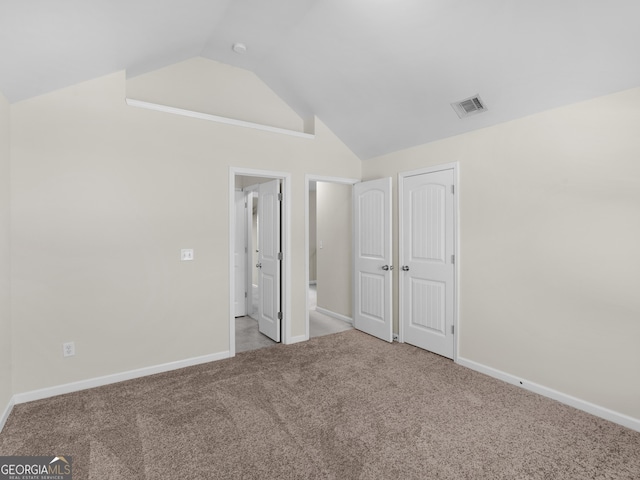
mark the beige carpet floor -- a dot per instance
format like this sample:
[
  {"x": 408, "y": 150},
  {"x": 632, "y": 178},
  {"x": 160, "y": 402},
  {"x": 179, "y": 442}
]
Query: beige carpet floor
[{"x": 343, "y": 406}]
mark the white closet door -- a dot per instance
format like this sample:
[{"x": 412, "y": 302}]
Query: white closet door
[
  {"x": 427, "y": 261},
  {"x": 372, "y": 258}
]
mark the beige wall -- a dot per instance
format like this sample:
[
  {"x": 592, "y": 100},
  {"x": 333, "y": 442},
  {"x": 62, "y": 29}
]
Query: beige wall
[
  {"x": 334, "y": 261},
  {"x": 104, "y": 198},
  {"x": 5, "y": 299},
  {"x": 549, "y": 235},
  {"x": 217, "y": 91}
]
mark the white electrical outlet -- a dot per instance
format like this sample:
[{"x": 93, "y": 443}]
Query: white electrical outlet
[
  {"x": 186, "y": 254},
  {"x": 68, "y": 349}
]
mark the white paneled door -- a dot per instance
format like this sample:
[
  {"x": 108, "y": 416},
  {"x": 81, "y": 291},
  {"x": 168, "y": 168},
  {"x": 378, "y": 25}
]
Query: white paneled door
[
  {"x": 240, "y": 255},
  {"x": 269, "y": 259},
  {"x": 372, "y": 258},
  {"x": 427, "y": 260}
]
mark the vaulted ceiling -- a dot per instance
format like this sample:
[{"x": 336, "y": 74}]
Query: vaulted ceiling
[{"x": 380, "y": 73}]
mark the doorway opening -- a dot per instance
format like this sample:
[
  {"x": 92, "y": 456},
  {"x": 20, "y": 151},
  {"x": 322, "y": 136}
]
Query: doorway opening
[
  {"x": 259, "y": 267},
  {"x": 329, "y": 262}
]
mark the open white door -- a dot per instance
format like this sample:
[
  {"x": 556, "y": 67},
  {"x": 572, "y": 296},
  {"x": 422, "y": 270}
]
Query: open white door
[
  {"x": 269, "y": 259},
  {"x": 372, "y": 258},
  {"x": 240, "y": 255},
  {"x": 427, "y": 256}
]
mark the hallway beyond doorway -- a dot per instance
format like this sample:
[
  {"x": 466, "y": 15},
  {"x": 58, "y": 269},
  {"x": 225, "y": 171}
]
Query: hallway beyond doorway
[
  {"x": 249, "y": 338},
  {"x": 320, "y": 324}
]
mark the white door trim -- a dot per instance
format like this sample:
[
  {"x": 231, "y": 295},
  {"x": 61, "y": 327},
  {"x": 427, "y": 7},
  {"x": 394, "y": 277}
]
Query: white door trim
[
  {"x": 286, "y": 248},
  {"x": 308, "y": 178},
  {"x": 455, "y": 166}
]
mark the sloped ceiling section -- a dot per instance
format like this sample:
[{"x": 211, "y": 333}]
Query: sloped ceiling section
[{"x": 381, "y": 74}]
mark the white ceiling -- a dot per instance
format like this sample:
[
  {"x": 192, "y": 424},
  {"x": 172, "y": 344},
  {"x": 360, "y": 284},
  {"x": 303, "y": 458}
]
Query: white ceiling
[{"x": 380, "y": 73}]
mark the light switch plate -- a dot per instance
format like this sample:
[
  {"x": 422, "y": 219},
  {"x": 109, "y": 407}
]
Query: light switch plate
[
  {"x": 68, "y": 349},
  {"x": 186, "y": 254}
]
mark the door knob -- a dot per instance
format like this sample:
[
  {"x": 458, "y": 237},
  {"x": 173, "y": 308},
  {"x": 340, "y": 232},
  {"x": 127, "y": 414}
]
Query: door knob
[
  {"x": 387, "y": 267},
  {"x": 259, "y": 265},
  {"x": 405, "y": 268}
]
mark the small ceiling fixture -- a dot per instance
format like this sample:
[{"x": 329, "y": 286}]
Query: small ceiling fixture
[
  {"x": 239, "y": 48},
  {"x": 469, "y": 106}
]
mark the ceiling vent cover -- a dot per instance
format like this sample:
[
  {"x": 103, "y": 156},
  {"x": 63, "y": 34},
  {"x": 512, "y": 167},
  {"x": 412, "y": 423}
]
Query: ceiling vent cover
[{"x": 469, "y": 106}]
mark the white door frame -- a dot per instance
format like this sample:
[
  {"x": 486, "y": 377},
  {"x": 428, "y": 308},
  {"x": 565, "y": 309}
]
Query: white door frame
[
  {"x": 455, "y": 166},
  {"x": 286, "y": 249},
  {"x": 308, "y": 178}
]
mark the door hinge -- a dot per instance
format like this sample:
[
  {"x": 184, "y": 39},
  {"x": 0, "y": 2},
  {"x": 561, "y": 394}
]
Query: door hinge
[
  {"x": 453, "y": 189},
  {"x": 280, "y": 256},
  {"x": 453, "y": 259},
  {"x": 245, "y": 294},
  {"x": 279, "y": 315},
  {"x": 279, "y": 196},
  {"x": 452, "y": 329}
]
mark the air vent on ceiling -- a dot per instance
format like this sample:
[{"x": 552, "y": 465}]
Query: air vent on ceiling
[{"x": 469, "y": 106}]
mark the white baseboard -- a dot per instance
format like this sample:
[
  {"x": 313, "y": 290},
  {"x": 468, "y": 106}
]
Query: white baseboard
[
  {"x": 6, "y": 413},
  {"x": 117, "y": 377},
  {"x": 598, "y": 411},
  {"x": 339, "y": 316},
  {"x": 298, "y": 339}
]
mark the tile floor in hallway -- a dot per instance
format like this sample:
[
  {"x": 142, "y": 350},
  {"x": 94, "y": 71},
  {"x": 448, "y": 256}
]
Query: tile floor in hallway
[{"x": 249, "y": 338}]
